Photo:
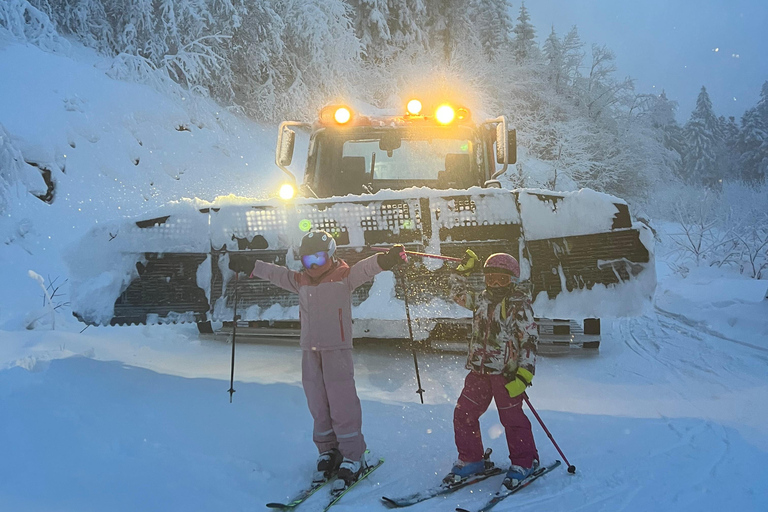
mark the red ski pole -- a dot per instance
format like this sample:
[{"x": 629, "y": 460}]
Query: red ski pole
[
  {"x": 571, "y": 468},
  {"x": 423, "y": 254}
]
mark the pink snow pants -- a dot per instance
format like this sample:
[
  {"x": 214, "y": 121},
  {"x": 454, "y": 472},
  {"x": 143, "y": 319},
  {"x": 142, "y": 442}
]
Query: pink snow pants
[
  {"x": 328, "y": 377},
  {"x": 473, "y": 402}
]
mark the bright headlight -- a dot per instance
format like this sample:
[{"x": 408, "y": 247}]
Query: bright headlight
[
  {"x": 414, "y": 107},
  {"x": 342, "y": 115},
  {"x": 287, "y": 191},
  {"x": 444, "y": 114}
]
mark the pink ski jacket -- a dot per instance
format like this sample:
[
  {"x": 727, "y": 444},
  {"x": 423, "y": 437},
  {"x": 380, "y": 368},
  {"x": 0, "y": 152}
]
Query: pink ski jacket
[{"x": 325, "y": 306}]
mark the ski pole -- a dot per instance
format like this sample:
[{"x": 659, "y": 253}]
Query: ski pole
[
  {"x": 234, "y": 334},
  {"x": 422, "y": 254},
  {"x": 420, "y": 391},
  {"x": 571, "y": 468}
]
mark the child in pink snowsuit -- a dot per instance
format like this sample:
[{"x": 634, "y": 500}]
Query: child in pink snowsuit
[
  {"x": 325, "y": 312},
  {"x": 501, "y": 359}
]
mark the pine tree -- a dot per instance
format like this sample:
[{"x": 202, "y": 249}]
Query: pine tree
[
  {"x": 524, "y": 41},
  {"x": 407, "y": 19},
  {"x": 573, "y": 55},
  {"x": 451, "y": 27},
  {"x": 494, "y": 26},
  {"x": 752, "y": 141},
  {"x": 661, "y": 116},
  {"x": 372, "y": 28},
  {"x": 702, "y": 162},
  {"x": 553, "y": 52}
]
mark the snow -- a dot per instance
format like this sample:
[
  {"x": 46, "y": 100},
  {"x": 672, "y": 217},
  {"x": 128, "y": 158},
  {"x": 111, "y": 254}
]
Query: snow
[{"x": 670, "y": 414}]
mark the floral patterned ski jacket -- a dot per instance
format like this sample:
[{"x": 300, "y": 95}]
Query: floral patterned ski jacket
[{"x": 504, "y": 334}]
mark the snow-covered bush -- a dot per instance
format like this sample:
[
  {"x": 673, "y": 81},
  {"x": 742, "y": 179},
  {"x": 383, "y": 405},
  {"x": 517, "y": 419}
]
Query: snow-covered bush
[
  {"x": 722, "y": 228},
  {"x": 27, "y": 23}
]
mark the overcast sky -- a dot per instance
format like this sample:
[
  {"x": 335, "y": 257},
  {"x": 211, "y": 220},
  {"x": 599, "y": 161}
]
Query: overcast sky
[{"x": 674, "y": 45}]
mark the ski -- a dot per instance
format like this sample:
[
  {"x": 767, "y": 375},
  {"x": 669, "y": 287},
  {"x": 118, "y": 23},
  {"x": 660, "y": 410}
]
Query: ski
[
  {"x": 302, "y": 496},
  {"x": 440, "y": 490},
  {"x": 504, "y": 492},
  {"x": 336, "y": 496}
]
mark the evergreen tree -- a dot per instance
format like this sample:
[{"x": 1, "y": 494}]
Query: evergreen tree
[
  {"x": 494, "y": 26},
  {"x": 702, "y": 162},
  {"x": 407, "y": 19},
  {"x": 752, "y": 142},
  {"x": 573, "y": 55},
  {"x": 524, "y": 40},
  {"x": 254, "y": 50},
  {"x": 553, "y": 53},
  {"x": 661, "y": 115},
  {"x": 370, "y": 18},
  {"x": 451, "y": 27}
]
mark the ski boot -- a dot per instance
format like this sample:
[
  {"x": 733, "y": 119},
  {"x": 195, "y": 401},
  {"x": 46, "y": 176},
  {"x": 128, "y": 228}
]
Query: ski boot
[
  {"x": 517, "y": 474},
  {"x": 327, "y": 465},
  {"x": 349, "y": 471},
  {"x": 462, "y": 470}
]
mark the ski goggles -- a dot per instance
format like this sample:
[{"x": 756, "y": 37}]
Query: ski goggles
[
  {"x": 495, "y": 280},
  {"x": 319, "y": 258}
]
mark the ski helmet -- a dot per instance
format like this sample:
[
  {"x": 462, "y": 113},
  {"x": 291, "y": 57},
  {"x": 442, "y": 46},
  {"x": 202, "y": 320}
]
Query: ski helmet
[
  {"x": 502, "y": 263},
  {"x": 317, "y": 241}
]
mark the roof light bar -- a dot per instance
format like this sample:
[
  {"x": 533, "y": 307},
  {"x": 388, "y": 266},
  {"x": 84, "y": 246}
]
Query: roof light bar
[
  {"x": 414, "y": 107},
  {"x": 445, "y": 114}
]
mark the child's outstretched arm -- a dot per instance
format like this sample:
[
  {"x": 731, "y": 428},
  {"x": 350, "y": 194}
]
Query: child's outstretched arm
[
  {"x": 364, "y": 270},
  {"x": 277, "y": 275}
]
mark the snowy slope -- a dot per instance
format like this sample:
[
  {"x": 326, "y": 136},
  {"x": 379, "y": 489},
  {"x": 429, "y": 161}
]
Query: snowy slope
[
  {"x": 114, "y": 149},
  {"x": 669, "y": 415}
]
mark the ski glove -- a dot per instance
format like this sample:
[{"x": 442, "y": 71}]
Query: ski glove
[
  {"x": 521, "y": 381},
  {"x": 395, "y": 256},
  {"x": 469, "y": 262}
]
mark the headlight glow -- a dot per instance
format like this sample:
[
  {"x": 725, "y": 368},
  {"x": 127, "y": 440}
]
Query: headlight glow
[
  {"x": 414, "y": 107},
  {"x": 287, "y": 191},
  {"x": 342, "y": 115},
  {"x": 444, "y": 114}
]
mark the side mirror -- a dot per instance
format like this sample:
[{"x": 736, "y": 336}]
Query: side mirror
[
  {"x": 512, "y": 146},
  {"x": 502, "y": 146},
  {"x": 285, "y": 143}
]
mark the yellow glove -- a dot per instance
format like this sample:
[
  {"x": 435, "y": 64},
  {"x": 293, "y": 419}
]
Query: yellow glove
[
  {"x": 468, "y": 262},
  {"x": 522, "y": 380}
]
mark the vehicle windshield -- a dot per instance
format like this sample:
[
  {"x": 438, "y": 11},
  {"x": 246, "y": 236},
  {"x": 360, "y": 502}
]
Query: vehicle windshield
[
  {"x": 415, "y": 159},
  {"x": 369, "y": 159}
]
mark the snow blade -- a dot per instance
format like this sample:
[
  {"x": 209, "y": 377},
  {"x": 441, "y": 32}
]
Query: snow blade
[{"x": 180, "y": 265}]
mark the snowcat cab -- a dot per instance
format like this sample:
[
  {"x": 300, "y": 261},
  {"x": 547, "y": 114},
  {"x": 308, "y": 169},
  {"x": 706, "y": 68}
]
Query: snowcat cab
[{"x": 427, "y": 181}]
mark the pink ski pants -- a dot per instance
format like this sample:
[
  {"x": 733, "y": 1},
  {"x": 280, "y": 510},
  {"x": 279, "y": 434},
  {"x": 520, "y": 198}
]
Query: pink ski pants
[
  {"x": 328, "y": 377},
  {"x": 473, "y": 402}
]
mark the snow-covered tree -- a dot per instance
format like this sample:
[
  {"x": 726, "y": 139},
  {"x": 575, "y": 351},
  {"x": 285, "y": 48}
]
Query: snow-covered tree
[
  {"x": 494, "y": 26},
  {"x": 661, "y": 116},
  {"x": 553, "y": 53},
  {"x": 84, "y": 19},
  {"x": 451, "y": 28},
  {"x": 321, "y": 58},
  {"x": 752, "y": 141},
  {"x": 27, "y": 23},
  {"x": 702, "y": 162},
  {"x": 370, "y": 18},
  {"x": 524, "y": 40},
  {"x": 406, "y": 21},
  {"x": 254, "y": 49}
]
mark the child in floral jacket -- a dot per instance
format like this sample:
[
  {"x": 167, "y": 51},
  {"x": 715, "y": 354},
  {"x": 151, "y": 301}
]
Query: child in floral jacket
[{"x": 502, "y": 361}]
